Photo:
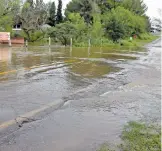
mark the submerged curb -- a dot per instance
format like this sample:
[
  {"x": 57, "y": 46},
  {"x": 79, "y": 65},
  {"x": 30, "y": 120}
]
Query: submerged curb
[{"x": 9, "y": 127}]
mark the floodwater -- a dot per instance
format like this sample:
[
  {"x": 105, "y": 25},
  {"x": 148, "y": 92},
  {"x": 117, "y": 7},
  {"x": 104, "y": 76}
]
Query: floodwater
[
  {"x": 104, "y": 89},
  {"x": 16, "y": 62}
]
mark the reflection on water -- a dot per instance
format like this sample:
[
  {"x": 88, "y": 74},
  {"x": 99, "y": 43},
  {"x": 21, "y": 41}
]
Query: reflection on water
[
  {"x": 5, "y": 54},
  {"x": 5, "y": 58},
  {"x": 36, "y": 57}
]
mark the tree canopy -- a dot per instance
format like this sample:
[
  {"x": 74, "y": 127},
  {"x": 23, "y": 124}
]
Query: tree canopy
[
  {"x": 90, "y": 19},
  {"x": 59, "y": 17},
  {"x": 52, "y": 14},
  {"x": 32, "y": 16},
  {"x": 8, "y": 9}
]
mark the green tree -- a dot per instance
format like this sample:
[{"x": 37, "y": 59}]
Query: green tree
[
  {"x": 136, "y": 6},
  {"x": 33, "y": 16},
  {"x": 140, "y": 24},
  {"x": 30, "y": 2},
  {"x": 52, "y": 15},
  {"x": 83, "y": 7},
  {"x": 114, "y": 28},
  {"x": 121, "y": 22},
  {"x": 8, "y": 9},
  {"x": 80, "y": 25},
  {"x": 126, "y": 18},
  {"x": 148, "y": 23},
  {"x": 96, "y": 29},
  {"x": 63, "y": 32},
  {"x": 104, "y": 6},
  {"x": 59, "y": 17},
  {"x": 107, "y": 5}
]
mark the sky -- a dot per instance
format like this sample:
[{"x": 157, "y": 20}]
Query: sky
[{"x": 153, "y": 6}]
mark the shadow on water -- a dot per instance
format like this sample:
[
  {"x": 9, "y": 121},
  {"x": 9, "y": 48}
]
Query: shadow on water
[{"x": 17, "y": 59}]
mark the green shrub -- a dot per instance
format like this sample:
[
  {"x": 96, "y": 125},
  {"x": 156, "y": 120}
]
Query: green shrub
[{"x": 16, "y": 34}]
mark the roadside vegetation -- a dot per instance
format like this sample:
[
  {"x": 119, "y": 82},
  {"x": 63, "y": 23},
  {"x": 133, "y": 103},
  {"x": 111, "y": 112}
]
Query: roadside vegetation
[
  {"x": 99, "y": 22},
  {"x": 138, "y": 137}
]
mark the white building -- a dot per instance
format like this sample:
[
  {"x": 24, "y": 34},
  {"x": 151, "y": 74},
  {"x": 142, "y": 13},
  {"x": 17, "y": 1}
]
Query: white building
[{"x": 156, "y": 25}]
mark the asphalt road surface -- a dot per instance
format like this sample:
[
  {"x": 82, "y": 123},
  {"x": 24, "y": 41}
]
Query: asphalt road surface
[{"x": 102, "y": 92}]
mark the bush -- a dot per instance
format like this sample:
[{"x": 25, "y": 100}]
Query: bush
[
  {"x": 16, "y": 34},
  {"x": 33, "y": 36},
  {"x": 63, "y": 32}
]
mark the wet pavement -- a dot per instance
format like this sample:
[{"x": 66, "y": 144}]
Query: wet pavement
[
  {"x": 37, "y": 76},
  {"x": 103, "y": 91}
]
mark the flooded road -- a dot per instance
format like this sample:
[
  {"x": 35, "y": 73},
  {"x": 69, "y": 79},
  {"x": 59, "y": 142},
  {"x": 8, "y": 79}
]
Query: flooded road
[
  {"x": 103, "y": 91},
  {"x": 30, "y": 78}
]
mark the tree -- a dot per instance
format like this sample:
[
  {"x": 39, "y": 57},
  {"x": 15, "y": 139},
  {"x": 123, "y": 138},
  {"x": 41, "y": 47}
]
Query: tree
[
  {"x": 115, "y": 29},
  {"x": 136, "y": 6},
  {"x": 140, "y": 24},
  {"x": 83, "y": 7},
  {"x": 104, "y": 6},
  {"x": 148, "y": 23},
  {"x": 80, "y": 26},
  {"x": 96, "y": 29},
  {"x": 63, "y": 32},
  {"x": 52, "y": 15},
  {"x": 31, "y": 2},
  {"x": 8, "y": 9},
  {"x": 32, "y": 17},
  {"x": 59, "y": 17},
  {"x": 115, "y": 26},
  {"x": 121, "y": 22}
]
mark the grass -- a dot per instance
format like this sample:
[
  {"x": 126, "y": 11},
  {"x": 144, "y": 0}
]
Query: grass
[
  {"x": 123, "y": 46},
  {"x": 139, "y": 137}
]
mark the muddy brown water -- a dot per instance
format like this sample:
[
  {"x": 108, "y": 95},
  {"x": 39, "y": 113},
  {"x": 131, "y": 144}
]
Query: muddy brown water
[
  {"x": 103, "y": 89},
  {"x": 15, "y": 60},
  {"x": 31, "y": 76}
]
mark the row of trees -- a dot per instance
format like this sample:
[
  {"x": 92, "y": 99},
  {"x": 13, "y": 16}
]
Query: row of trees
[
  {"x": 33, "y": 15},
  {"x": 8, "y": 9},
  {"x": 36, "y": 15},
  {"x": 83, "y": 19},
  {"x": 102, "y": 19}
]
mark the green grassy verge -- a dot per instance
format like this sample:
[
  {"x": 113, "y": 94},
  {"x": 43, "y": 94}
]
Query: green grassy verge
[
  {"x": 138, "y": 42},
  {"x": 139, "y": 137},
  {"x": 123, "y": 45}
]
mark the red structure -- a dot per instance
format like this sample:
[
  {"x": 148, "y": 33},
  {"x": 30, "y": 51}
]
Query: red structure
[
  {"x": 5, "y": 38},
  {"x": 17, "y": 40}
]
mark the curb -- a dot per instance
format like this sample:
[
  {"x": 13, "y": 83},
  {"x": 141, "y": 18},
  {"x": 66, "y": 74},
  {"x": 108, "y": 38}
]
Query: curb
[{"x": 11, "y": 126}]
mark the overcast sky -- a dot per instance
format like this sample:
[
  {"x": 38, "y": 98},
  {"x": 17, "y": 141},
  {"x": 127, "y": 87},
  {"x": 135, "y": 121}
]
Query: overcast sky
[{"x": 153, "y": 6}]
